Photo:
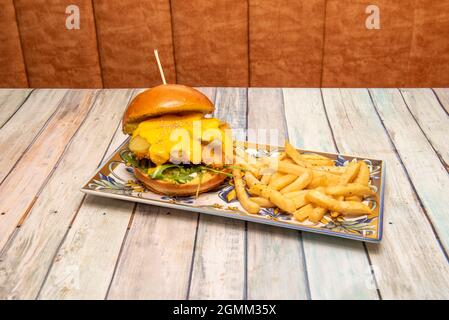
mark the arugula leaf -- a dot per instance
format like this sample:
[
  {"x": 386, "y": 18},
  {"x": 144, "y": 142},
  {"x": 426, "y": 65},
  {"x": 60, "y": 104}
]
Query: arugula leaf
[
  {"x": 173, "y": 172},
  {"x": 159, "y": 172},
  {"x": 215, "y": 170}
]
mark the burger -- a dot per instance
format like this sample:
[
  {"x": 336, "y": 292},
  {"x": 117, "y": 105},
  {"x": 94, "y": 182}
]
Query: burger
[{"x": 175, "y": 146}]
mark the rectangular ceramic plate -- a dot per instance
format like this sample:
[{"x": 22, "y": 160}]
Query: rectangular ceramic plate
[{"x": 115, "y": 180}]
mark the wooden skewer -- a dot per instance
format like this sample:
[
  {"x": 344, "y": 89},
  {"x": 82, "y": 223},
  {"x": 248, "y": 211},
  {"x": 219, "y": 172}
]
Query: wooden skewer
[{"x": 160, "y": 66}]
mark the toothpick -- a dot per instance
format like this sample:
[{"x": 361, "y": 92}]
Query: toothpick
[{"x": 160, "y": 66}]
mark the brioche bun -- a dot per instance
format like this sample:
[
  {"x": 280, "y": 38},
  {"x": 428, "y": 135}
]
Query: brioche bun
[
  {"x": 164, "y": 99},
  {"x": 209, "y": 181}
]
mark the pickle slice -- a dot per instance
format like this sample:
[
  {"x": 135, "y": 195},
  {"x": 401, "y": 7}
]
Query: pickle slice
[{"x": 139, "y": 146}]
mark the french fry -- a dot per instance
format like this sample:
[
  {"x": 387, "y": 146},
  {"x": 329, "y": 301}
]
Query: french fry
[
  {"x": 266, "y": 178},
  {"x": 295, "y": 155},
  {"x": 298, "y": 198},
  {"x": 335, "y": 214},
  {"x": 296, "y": 193},
  {"x": 275, "y": 176},
  {"x": 247, "y": 166},
  {"x": 318, "y": 181},
  {"x": 332, "y": 179},
  {"x": 263, "y": 202},
  {"x": 284, "y": 203},
  {"x": 347, "y": 208},
  {"x": 331, "y": 169},
  {"x": 313, "y": 156},
  {"x": 300, "y": 182},
  {"x": 303, "y": 213},
  {"x": 351, "y": 172},
  {"x": 282, "y": 181},
  {"x": 242, "y": 196},
  {"x": 305, "y": 185},
  {"x": 354, "y": 198},
  {"x": 351, "y": 189},
  {"x": 282, "y": 156},
  {"x": 317, "y": 214},
  {"x": 251, "y": 180},
  {"x": 364, "y": 174},
  {"x": 319, "y": 162},
  {"x": 290, "y": 168},
  {"x": 250, "y": 159}
]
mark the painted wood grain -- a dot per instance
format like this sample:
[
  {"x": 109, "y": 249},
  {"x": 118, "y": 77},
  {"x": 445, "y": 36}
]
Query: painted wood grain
[
  {"x": 12, "y": 66},
  {"x": 275, "y": 262},
  {"x": 286, "y": 43},
  {"x": 157, "y": 255},
  {"x": 429, "y": 53},
  {"x": 24, "y": 265},
  {"x": 10, "y": 101},
  {"x": 128, "y": 32},
  {"x": 336, "y": 268},
  {"x": 54, "y": 55},
  {"x": 431, "y": 118},
  {"x": 22, "y": 185},
  {"x": 426, "y": 171},
  {"x": 443, "y": 97},
  {"x": 85, "y": 263},
  {"x": 16, "y": 135},
  {"x": 219, "y": 257},
  {"x": 211, "y": 42},
  {"x": 357, "y": 57},
  {"x": 409, "y": 262}
]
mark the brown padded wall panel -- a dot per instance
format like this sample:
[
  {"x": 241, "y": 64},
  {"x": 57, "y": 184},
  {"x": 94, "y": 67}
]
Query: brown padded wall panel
[
  {"x": 357, "y": 57},
  {"x": 286, "y": 42},
  {"x": 128, "y": 32},
  {"x": 12, "y": 67},
  {"x": 54, "y": 55},
  {"x": 429, "y": 56},
  {"x": 211, "y": 42}
]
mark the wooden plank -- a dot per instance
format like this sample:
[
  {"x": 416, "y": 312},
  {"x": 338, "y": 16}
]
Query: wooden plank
[
  {"x": 84, "y": 265},
  {"x": 286, "y": 43},
  {"x": 336, "y": 268},
  {"x": 272, "y": 249},
  {"x": 409, "y": 248},
  {"x": 357, "y": 57},
  {"x": 429, "y": 52},
  {"x": 219, "y": 257},
  {"x": 22, "y": 185},
  {"x": 12, "y": 66},
  {"x": 431, "y": 117},
  {"x": 215, "y": 53},
  {"x": 10, "y": 101},
  {"x": 97, "y": 231},
  {"x": 54, "y": 55},
  {"x": 33, "y": 115},
  {"x": 128, "y": 31},
  {"x": 443, "y": 97},
  {"x": 426, "y": 171},
  {"x": 157, "y": 255},
  {"x": 25, "y": 263}
]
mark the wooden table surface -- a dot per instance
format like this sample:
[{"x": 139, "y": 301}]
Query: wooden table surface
[{"x": 57, "y": 243}]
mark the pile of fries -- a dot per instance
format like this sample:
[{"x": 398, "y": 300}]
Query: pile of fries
[{"x": 307, "y": 186}]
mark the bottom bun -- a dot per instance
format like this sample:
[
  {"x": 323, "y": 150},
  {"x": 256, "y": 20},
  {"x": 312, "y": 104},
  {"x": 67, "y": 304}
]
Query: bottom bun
[{"x": 209, "y": 181}]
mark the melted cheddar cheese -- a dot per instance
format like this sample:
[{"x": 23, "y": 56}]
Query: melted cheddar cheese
[{"x": 156, "y": 138}]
